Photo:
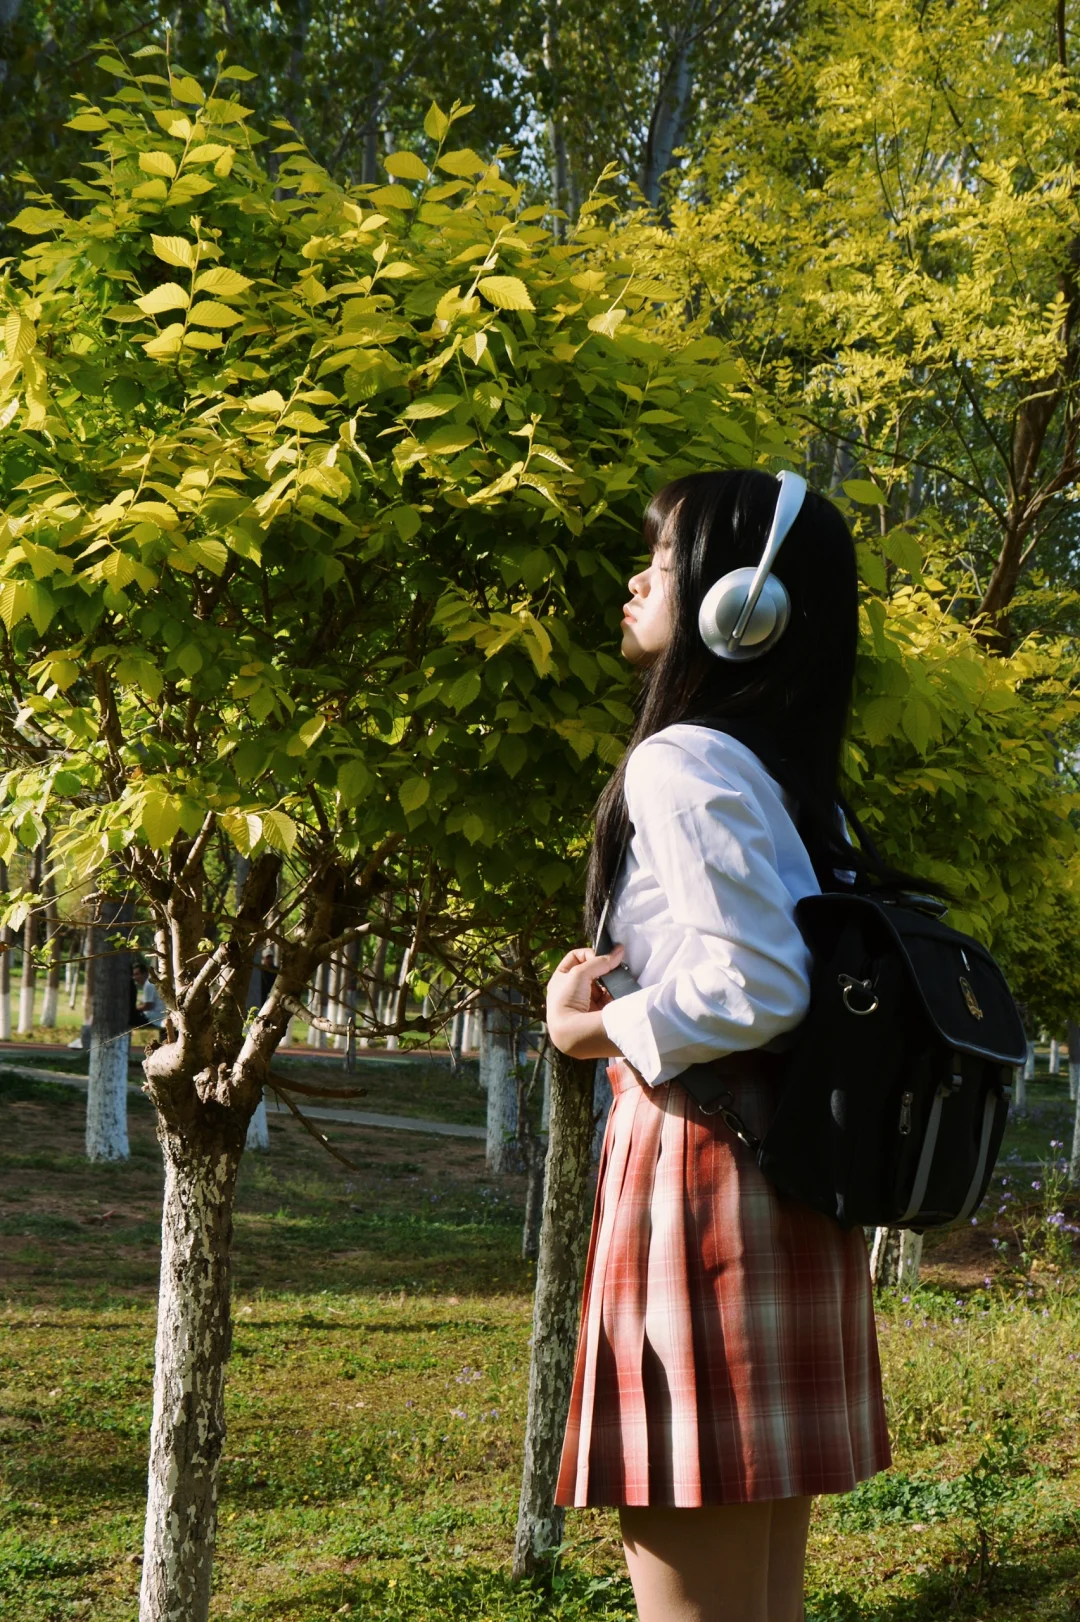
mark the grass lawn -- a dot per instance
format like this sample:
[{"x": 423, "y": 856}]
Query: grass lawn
[{"x": 377, "y": 1389}]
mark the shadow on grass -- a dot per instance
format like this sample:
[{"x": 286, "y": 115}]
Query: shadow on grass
[
  {"x": 462, "y": 1594},
  {"x": 1043, "y": 1584}
]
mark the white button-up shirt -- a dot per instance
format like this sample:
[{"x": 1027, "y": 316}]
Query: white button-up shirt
[{"x": 705, "y": 905}]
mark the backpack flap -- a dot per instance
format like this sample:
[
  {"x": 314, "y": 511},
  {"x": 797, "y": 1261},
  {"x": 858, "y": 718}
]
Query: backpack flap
[{"x": 963, "y": 991}]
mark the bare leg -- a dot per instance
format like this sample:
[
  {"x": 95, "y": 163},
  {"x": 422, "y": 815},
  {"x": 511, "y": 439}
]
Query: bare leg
[
  {"x": 787, "y": 1558},
  {"x": 725, "y": 1563}
]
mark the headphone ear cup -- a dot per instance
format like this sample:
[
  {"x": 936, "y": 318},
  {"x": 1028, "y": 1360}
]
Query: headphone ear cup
[{"x": 725, "y": 601}]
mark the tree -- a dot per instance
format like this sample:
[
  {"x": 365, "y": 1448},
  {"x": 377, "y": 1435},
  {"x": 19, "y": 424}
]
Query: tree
[
  {"x": 888, "y": 232},
  {"x": 322, "y": 500}
]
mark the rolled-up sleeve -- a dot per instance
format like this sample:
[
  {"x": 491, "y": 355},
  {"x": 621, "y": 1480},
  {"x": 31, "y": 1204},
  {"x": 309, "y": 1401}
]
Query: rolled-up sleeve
[{"x": 736, "y": 971}]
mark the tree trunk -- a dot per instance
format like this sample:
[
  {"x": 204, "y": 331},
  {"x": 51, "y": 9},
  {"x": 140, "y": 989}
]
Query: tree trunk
[
  {"x": 29, "y": 968},
  {"x": 89, "y": 949},
  {"x": 895, "y": 1257},
  {"x": 668, "y": 125},
  {"x": 502, "y": 1148},
  {"x": 50, "y": 1006},
  {"x": 6, "y": 943},
  {"x": 258, "y": 1132},
  {"x": 885, "y": 1258},
  {"x": 193, "y": 1343},
  {"x": 1074, "y": 1160},
  {"x": 1055, "y": 1057},
  {"x": 564, "y": 1240},
  {"x": 602, "y": 1102},
  {"x": 110, "y": 1041}
]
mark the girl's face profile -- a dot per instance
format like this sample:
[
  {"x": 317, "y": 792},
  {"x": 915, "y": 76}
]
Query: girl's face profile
[{"x": 646, "y": 622}]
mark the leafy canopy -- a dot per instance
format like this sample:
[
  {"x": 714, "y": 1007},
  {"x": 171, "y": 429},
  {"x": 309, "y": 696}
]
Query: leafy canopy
[{"x": 322, "y": 498}]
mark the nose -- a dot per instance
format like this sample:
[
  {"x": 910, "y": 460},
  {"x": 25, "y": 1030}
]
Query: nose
[{"x": 639, "y": 584}]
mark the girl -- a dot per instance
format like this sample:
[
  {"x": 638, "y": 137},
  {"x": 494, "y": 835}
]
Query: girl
[{"x": 727, "y": 1368}]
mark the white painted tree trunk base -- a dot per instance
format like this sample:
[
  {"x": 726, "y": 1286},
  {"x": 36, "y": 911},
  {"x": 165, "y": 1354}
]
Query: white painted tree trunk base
[
  {"x": 106, "y": 1099},
  {"x": 895, "y": 1257},
  {"x": 258, "y": 1132},
  {"x": 5, "y": 1016},
  {"x": 26, "y": 1009},
  {"x": 1020, "y": 1090},
  {"x": 1074, "y": 1081},
  {"x": 1029, "y": 1066},
  {"x": 188, "y": 1427},
  {"x": 49, "y": 1006},
  {"x": 1055, "y": 1057}
]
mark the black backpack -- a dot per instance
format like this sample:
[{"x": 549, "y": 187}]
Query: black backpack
[{"x": 896, "y": 1085}]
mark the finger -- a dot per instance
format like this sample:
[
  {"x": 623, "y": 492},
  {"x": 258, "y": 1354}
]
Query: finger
[
  {"x": 597, "y": 966},
  {"x": 574, "y": 959}
]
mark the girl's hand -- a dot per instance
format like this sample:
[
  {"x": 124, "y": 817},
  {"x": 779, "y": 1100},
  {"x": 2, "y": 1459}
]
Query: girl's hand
[{"x": 575, "y": 998}]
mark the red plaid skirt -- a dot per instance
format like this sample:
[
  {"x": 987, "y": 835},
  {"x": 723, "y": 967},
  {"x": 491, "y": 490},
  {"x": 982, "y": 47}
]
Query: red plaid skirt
[{"x": 727, "y": 1351}]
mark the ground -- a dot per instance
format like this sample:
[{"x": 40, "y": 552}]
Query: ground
[{"x": 377, "y": 1388}]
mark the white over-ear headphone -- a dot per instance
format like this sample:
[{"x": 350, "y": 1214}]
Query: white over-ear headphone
[{"x": 746, "y": 612}]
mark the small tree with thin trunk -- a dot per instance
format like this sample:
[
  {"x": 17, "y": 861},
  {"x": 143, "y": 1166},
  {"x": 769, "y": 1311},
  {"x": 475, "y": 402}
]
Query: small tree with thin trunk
[{"x": 319, "y": 501}]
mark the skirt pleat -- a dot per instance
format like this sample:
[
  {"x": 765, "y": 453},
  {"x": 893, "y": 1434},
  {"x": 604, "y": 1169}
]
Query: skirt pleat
[{"x": 727, "y": 1351}]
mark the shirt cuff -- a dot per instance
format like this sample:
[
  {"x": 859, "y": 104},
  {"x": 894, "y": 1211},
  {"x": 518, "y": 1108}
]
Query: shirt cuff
[{"x": 626, "y": 1021}]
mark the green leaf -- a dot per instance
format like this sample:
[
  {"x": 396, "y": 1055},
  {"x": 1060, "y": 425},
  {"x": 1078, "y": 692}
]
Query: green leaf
[
  {"x": 506, "y": 292},
  {"x": 405, "y": 166},
  {"x": 865, "y": 492},
  {"x": 169, "y": 296},
  {"x": 222, "y": 281},
  {"x": 436, "y": 123},
  {"x": 414, "y": 793},
  {"x": 209, "y": 313},
  {"x": 174, "y": 251},
  {"x": 33, "y": 221},
  {"x": 157, "y": 163},
  {"x": 279, "y": 831},
  {"x": 513, "y": 752},
  {"x": 406, "y": 521},
  {"x": 160, "y": 820},
  {"x": 431, "y": 405},
  {"x": 188, "y": 90},
  {"x": 473, "y": 827},
  {"x": 88, "y": 121},
  {"x": 306, "y": 735},
  {"x": 463, "y": 162},
  {"x": 355, "y": 782},
  {"x": 392, "y": 197},
  {"x": 464, "y": 691}
]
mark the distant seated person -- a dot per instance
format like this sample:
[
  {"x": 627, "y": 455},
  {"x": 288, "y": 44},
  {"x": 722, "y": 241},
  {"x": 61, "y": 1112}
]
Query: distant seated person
[{"x": 148, "y": 1007}]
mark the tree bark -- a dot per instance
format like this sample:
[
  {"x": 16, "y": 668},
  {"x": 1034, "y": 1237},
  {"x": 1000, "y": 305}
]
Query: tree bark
[
  {"x": 564, "y": 1239},
  {"x": 668, "y": 125},
  {"x": 895, "y": 1256},
  {"x": 50, "y": 1005},
  {"x": 6, "y": 945},
  {"x": 193, "y": 1344},
  {"x": 28, "y": 988},
  {"x": 502, "y": 1122},
  {"x": 1074, "y": 1159},
  {"x": 258, "y": 1131},
  {"x": 110, "y": 1041}
]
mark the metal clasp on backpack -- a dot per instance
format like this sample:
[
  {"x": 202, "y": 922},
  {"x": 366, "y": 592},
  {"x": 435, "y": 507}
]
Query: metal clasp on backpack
[{"x": 848, "y": 984}]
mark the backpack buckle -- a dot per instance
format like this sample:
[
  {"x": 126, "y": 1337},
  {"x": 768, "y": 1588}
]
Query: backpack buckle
[{"x": 863, "y": 988}]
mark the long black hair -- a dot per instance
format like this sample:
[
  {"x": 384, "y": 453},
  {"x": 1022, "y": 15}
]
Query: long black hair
[{"x": 796, "y": 696}]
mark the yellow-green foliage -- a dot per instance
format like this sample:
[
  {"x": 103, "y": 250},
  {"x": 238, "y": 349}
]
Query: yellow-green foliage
[{"x": 320, "y": 501}]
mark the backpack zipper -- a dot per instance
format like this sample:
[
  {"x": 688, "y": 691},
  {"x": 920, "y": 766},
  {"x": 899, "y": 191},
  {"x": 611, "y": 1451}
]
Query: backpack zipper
[{"x": 906, "y": 1101}]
